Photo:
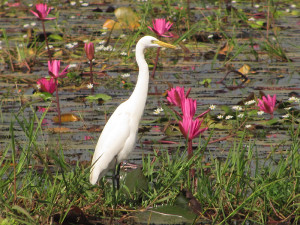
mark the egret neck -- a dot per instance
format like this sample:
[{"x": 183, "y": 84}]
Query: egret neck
[{"x": 139, "y": 95}]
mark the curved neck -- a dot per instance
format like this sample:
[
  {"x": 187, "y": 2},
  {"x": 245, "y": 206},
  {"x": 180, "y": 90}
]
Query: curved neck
[{"x": 140, "y": 91}]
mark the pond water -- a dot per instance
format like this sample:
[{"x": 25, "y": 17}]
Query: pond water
[{"x": 180, "y": 68}]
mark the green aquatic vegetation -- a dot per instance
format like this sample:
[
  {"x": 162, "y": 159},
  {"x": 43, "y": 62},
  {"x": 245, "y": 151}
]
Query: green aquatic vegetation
[{"x": 37, "y": 182}]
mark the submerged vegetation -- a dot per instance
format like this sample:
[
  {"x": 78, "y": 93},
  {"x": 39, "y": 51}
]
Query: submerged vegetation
[{"x": 214, "y": 158}]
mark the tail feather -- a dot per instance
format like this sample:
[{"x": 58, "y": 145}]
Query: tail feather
[{"x": 100, "y": 165}]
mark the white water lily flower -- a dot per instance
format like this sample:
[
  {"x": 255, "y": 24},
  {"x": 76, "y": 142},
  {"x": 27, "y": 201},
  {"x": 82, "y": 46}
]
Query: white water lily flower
[
  {"x": 50, "y": 46},
  {"x": 220, "y": 117},
  {"x": 294, "y": 99},
  {"x": 241, "y": 115},
  {"x": 90, "y": 86},
  {"x": 286, "y": 116},
  {"x": 260, "y": 113},
  {"x": 250, "y": 102},
  {"x": 99, "y": 48},
  {"x": 69, "y": 45},
  {"x": 228, "y": 117},
  {"x": 212, "y": 107},
  {"x": 156, "y": 112},
  {"x": 124, "y": 75},
  {"x": 72, "y": 65},
  {"x": 237, "y": 108}
]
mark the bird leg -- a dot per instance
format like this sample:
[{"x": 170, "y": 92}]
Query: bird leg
[{"x": 116, "y": 176}]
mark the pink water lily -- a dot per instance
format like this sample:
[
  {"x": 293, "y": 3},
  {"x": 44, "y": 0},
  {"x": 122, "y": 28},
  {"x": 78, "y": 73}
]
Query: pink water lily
[
  {"x": 267, "y": 104},
  {"x": 89, "y": 50},
  {"x": 188, "y": 107},
  {"x": 176, "y": 95},
  {"x": 191, "y": 128},
  {"x": 42, "y": 12},
  {"x": 160, "y": 27},
  {"x": 47, "y": 85},
  {"x": 54, "y": 67}
]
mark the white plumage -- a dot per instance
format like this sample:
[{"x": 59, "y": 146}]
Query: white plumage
[{"x": 118, "y": 137}]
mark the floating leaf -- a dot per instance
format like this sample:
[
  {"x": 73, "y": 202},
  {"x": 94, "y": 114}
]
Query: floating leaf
[
  {"x": 68, "y": 117},
  {"x": 226, "y": 49},
  {"x": 96, "y": 97},
  {"x": 111, "y": 24},
  {"x": 45, "y": 96},
  {"x": 135, "y": 182},
  {"x": 127, "y": 17},
  {"x": 55, "y": 37},
  {"x": 257, "y": 24},
  {"x": 205, "y": 82},
  {"x": 166, "y": 215},
  {"x": 59, "y": 130},
  {"x": 245, "y": 69}
]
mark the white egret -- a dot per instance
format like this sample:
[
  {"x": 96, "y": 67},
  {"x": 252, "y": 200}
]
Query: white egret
[{"x": 118, "y": 137}]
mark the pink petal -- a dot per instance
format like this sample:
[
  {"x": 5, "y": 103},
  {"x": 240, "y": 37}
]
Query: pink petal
[{"x": 37, "y": 15}]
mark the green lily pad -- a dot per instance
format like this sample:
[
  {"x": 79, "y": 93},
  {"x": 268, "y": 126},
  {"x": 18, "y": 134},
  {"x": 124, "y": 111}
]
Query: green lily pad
[
  {"x": 135, "y": 182},
  {"x": 166, "y": 215},
  {"x": 55, "y": 37},
  {"x": 45, "y": 96},
  {"x": 96, "y": 97}
]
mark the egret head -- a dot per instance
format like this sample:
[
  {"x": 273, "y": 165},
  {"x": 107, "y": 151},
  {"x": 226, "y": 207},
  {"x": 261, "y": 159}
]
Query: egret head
[{"x": 149, "y": 41}]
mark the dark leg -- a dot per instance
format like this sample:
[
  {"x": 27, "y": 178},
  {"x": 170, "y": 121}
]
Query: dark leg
[{"x": 118, "y": 176}]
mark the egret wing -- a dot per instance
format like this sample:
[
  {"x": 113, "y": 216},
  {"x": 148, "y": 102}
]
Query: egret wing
[{"x": 110, "y": 143}]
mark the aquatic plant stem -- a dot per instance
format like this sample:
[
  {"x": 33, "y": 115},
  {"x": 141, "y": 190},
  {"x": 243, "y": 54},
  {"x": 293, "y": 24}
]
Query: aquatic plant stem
[
  {"x": 91, "y": 76},
  {"x": 190, "y": 155},
  {"x": 155, "y": 64},
  {"x": 57, "y": 101},
  {"x": 46, "y": 40},
  {"x": 268, "y": 19},
  {"x": 190, "y": 148},
  {"x": 188, "y": 13}
]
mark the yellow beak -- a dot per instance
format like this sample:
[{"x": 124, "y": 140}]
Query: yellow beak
[{"x": 164, "y": 44}]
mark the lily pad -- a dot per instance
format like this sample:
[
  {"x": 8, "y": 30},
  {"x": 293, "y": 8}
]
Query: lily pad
[
  {"x": 96, "y": 97},
  {"x": 135, "y": 182},
  {"x": 68, "y": 117},
  {"x": 166, "y": 215},
  {"x": 45, "y": 96}
]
